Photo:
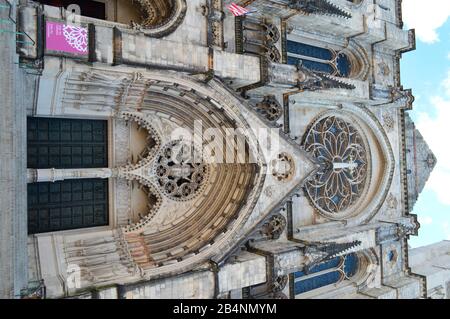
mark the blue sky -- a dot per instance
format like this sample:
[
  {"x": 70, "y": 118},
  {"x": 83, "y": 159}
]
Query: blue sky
[{"x": 427, "y": 72}]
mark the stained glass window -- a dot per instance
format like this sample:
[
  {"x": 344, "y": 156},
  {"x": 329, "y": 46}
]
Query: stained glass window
[
  {"x": 318, "y": 59},
  {"x": 341, "y": 152},
  {"x": 327, "y": 273}
]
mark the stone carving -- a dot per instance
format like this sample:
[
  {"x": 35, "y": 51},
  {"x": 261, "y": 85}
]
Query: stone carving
[
  {"x": 431, "y": 161},
  {"x": 99, "y": 260},
  {"x": 405, "y": 230},
  {"x": 384, "y": 69},
  {"x": 180, "y": 171},
  {"x": 398, "y": 94},
  {"x": 283, "y": 168},
  {"x": 318, "y": 7},
  {"x": 269, "y": 190},
  {"x": 160, "y": 17},
  {"x": 318, "y": 252},
  {"x": 389, "y": 122},
  {"x": 279, "y": 283},
  {"x": 150, "y": 150},
  {"x": 270, "y": 108},
  {"x": 271, "y": 31},
  {"x": 312, "y": 81},
  {"x": 258, "y": 37},
  {"x": 275, "y": 226},
  {"x": 392, "y": 202}
]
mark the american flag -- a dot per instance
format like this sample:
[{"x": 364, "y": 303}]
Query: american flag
[{"x": 237, "y": 10}]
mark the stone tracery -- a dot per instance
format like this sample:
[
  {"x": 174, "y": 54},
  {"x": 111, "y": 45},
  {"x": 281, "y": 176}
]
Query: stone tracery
[
  {"x": 180, "y": 172},
  {"x": 341, "y": 152}
]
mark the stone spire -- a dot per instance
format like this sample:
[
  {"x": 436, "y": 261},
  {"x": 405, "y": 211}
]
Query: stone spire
[
  {"x": 318, "y": 7},
  {"x": 420, "y": 161}
]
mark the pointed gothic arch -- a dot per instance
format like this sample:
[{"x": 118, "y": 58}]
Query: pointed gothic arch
[{"x": 357, "y": 269}]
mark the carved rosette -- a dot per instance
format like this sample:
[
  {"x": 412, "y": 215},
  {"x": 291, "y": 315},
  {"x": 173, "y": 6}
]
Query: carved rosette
[
  {"x": 275, "y": 226},
  {"x": 180, "y": 171}
]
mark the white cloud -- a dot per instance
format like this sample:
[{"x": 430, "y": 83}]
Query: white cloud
[
  {"x": 426, "y": 17},
  {"x": 425, "y": 220},
  {"x": 436, "y": 131}
]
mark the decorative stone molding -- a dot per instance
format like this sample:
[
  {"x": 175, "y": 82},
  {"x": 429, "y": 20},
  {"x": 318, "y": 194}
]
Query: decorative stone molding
[
  {"x": 388, "y": 122},
  {"x": 180, "y": 170},
  {"x": 405, "y": 97},
  {"x": 150, "y": 153},
  {"x": 275, "y": 226},
  {"x": 279, "y": 283},
  {"x": 323, "y": 7},
  {"x": 392, "y": 202},
  {"x": 320, "y": 252},
  {"x": 270, "y": 108},
  {"x": 283, "y": 168}
]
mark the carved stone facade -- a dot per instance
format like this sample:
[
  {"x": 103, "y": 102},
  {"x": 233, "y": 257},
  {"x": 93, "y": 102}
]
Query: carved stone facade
[{"x": 247, "y": 156}]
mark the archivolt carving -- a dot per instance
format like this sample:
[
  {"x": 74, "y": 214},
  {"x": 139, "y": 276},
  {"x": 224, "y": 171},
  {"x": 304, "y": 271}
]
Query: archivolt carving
[
  {"x": 195, "y": 232},
  {"x": 155, "y": 201},
  {"x": 151, "y": 150}
]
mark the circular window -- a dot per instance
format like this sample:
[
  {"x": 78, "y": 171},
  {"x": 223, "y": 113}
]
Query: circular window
[
  {"x": 340, "y": 150},
  {"x": 180, "y": 171}
]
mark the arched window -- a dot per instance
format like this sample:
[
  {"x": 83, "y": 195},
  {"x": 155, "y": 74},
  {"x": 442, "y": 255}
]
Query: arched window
[
  {"x": 318, "y": 59},
  {"x": 327, "y": 273},
  {"x": 157, "y": 18}
]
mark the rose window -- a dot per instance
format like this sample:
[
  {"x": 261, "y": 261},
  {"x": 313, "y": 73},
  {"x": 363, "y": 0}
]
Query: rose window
[
  {"x": 341, "y": 153},
  {"x": 180, "y": 171}
]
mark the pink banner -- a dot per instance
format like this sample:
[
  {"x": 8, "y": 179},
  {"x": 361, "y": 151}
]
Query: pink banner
[{"x": 66, "y": 38}]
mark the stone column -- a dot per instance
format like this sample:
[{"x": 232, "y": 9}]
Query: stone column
[{"x": 53, "y": 175}]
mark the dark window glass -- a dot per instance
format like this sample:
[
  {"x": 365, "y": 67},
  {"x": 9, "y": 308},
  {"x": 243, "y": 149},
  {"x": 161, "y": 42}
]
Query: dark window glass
[
  {"x": 317, "y": 282},
  {"x": 308, "y": 50},
  {"x": 343, "y": 65},
  {"x": 66, "y": 143},
  {"x": 317, "y": 59},
  {"x": 93, "y": 9},
  {"x": 68, "y": 204}
]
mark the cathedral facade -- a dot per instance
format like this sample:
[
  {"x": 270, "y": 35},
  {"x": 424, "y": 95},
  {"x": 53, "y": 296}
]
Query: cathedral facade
[{"x": 170, "y": 149}]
